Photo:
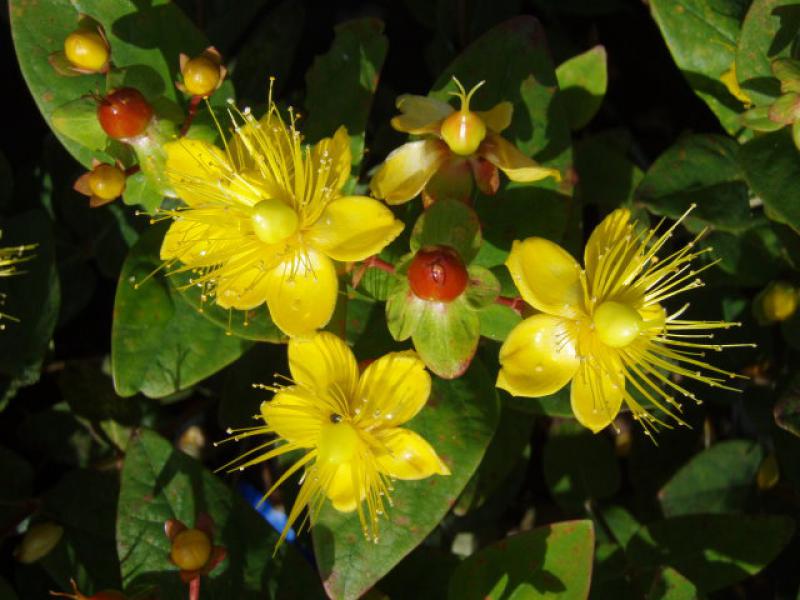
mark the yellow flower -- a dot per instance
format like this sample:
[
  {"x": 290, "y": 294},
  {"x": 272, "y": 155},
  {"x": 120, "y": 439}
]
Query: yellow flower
[
  {"x": 265, "y": 218},
  {"x": 604, "y": 327},
  {"x": 453, "y": 139},
  {"x": 348, "y": 425}
]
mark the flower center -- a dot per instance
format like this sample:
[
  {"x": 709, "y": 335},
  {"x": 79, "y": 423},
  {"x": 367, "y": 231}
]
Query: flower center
[
  {"x": 617, "y": 324},
  {"x": 338, "y": 442},
  {"x": 273, "y": 221}
]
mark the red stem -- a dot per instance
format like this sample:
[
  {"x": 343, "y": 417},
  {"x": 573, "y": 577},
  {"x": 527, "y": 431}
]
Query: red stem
[
  {"x": 374, "y": 262},
  {"x": 194, "y": 588},
  {"x": 131, "y": 170},
  {"x": 514, "y": 304},
  {"x": 193, "y": 103}
]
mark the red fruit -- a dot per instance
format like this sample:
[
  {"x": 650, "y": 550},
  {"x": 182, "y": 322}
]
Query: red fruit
[
  {"x": 124, "y": 113},
  {"x": 437, "y": 273}
]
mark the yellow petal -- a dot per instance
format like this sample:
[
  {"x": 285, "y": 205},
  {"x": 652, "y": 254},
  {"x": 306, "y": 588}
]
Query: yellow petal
[
  {"x": 420, "y": 114},
  {"x": 295, "y": 415},
  {"x": 597, "y": 391},
  {"x": 243, "y": 280},
  {"x": 354, "y": 227},
  {"x": 614, "y": 227},
  {"x": 324, "y": 364},
  {"x": 392, "y": 390},
  {"x": 409, "y": 455},
  {"x": 194, "y": 168},
  {"x": 333, "y": 157},
  {"x": 301, "y": 292},
  {"x": 407, "y": 169},
  {"x": 512, "y": 162},
  {"x": 498, "y": 117},
  {"x": 341, "y": 491},
  {"x": 538, "y": 357},
  {"x": 196, "y": 243},
  {"x": 547, "y": 277}
]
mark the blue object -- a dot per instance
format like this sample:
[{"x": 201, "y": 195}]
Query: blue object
[{"x": 271, "y": 515}]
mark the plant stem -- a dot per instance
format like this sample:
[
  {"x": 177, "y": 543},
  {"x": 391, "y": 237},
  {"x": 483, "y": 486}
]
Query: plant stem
[
  {"x": 514, "y": 304},
  {"x": 194, "y": 588},
  {"x": 190, "y": 115}
]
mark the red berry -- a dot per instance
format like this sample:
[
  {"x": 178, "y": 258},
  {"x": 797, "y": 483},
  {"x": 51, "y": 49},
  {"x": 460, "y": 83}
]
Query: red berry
[
  {"x": 437, "y": 273},
  {"x": 124, "y": 113}
]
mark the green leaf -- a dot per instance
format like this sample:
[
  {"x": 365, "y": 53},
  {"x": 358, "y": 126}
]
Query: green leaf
[
  {"x": 701, "y": 36},
  {"x": 606, "y": 176},
  {"x": 497, "y": 321},
  {"x": 147, "y": 37},
  {"x": 539, "y": 127},
  {"x": 554, "y": 561},
  {"x": 771, "y": 165},
  {"x": 429, "y": 568},
  {"x": 160, "y": 483},
  {"x": 447, "y": 335},
  {"x": 668, "y": 584},
  {"x": 448, "y": 223},
  {"x": 482, "y": 289},
  {"x": 159, "y": 344},
  {"x": 32, "y": 299},
  {"x": 139, "y": 190},
  {"x": 554, "y": 405},
  {"x": 702, "y": 170},
  {"x": 403, "y": 311},
  {"x": 754, "y": 257},
  {"x": 77, "y": 120},
  {"x": 254, "y": 324},
  {"x": 712, "y": 551},
  {"x": 786, "y": 109},
  {"x": 787, "y": 70},
  {"x": 505, "y": 453},
  {"x": 459, "y": 421},
  {"x": 582, "y": 81},
  {"x": 341, "y": 83},
  {"x": 579, "y": 466},
  {"x": 717, "y": 480},
  {"x": 507, "y": 217},
  {"x": 90, "y": 394},
  {"x": 768, "y": 32}
]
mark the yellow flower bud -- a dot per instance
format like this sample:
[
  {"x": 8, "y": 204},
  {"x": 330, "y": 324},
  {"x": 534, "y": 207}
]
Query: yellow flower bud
[
  {"x": 201, "y": 76},
  {"x": 778, "y": 301},
  {"x": 107, "y": 182},
  {"x": 273, "y": 221},
  {"x": 463, "y": 131},
  {"x": 86, "y": 50},
  {"x": 617, "y": 324},
  {"x": 191, "y": 550},
  {"x": 38, "y": 541}
]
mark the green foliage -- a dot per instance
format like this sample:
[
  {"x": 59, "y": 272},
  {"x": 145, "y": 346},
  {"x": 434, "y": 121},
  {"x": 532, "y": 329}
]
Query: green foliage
[
  {"x": 582, "y": 81},
  {"x": 160, "y": 483},
  {"x": 159, "y": 345},
  {"x": 718, "y": 480},
  {"x": 549, "y": 562},
  {"x": 104, "y": 345}
]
